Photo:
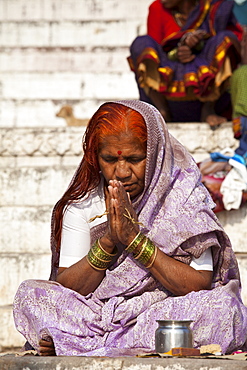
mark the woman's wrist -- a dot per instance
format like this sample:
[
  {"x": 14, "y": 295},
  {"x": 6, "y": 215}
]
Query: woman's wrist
[
  {"x": 132, "y": 237},
  {"x": 143, "y": 250},
  {"x": 107, "y": 244}
]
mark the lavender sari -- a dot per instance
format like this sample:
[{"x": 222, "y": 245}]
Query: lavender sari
[{"x": 119, "y": 317}]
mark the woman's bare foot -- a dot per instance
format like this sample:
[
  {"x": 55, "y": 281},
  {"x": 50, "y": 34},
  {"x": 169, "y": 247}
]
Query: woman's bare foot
[
  {"x": 46, "y": 348},
  {"x": 215, "y": 121},
  {"x": 208, "y": 115}
]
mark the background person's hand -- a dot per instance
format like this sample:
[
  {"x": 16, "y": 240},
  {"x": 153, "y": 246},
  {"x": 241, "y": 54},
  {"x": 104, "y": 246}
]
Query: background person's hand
[
  {"x": 192, "y": 39},
  {"x": 184, "y": 54}
]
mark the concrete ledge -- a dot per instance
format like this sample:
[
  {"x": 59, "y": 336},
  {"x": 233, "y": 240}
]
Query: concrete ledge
[{"x": 118, "y": 363}]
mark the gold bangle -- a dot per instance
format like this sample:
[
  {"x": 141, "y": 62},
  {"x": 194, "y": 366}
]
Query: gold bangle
[
  {"x": 142, "y": 249},
  {"x": 147, "y": 253},
  {"x": 137, "y": 239},
  {"x": 153, "y": 257},
  {"x": 100, "y": 253},
  {"x": 95, "y": 267},
  {"x": 107, "y": 253},
  {"x": 96, "y": 262}
]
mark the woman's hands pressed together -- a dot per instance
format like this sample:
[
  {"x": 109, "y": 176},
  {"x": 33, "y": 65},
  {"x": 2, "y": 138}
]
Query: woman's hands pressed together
[
  {"x": 122, "y": 228},
  {"x": 123, "y": 222}
]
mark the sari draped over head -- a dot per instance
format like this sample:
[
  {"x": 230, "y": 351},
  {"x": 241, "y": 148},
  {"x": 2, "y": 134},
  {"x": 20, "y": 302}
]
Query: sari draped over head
[
  {"x": 200, "y": 79},
  {"x": 119, "y": 317}
]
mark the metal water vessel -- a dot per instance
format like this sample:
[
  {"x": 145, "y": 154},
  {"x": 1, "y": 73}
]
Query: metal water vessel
[{"x": 173, "y": 333}]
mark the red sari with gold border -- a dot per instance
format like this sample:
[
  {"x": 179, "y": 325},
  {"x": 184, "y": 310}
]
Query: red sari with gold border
[{"x": 197, "y": 80}]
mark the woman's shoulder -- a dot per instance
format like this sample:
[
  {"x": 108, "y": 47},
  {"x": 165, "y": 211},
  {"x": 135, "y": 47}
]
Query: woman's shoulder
[{"x": 90, "y": 206}]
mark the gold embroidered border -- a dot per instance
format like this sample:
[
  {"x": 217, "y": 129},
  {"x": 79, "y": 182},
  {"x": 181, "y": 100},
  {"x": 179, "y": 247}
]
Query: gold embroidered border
[{"x": 147, "y": 53}]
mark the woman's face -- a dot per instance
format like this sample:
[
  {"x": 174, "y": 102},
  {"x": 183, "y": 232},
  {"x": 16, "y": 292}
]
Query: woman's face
[
  {"x": 170, "y": 4},
  {"x": 123, "y": 158}
]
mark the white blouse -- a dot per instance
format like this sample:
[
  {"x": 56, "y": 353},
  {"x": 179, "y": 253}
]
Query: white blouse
[{"x": 75, "y": 241}]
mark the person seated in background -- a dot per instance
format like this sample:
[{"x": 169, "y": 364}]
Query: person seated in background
[
  {"x": 224, "y": 174},
  {"x": 134, "y": 240},
  {"x": 183, "y": 64}
]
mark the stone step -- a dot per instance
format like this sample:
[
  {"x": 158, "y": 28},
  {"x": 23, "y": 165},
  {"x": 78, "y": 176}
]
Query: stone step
[
  {"x": 42, "y": 113},
  {"x": 22, "y": 266},
  {"x": 65, "y": 142},
  {"x": 69, "y": 33},
  {"x": 34, "y": 186},
  {"x": 74, "y": 59},
  {"x": 73, "y": 10},
  {"x": 38, "y": 163},
  {"x": 76, "y": 86},
  {"x": 9, "y": 336}
]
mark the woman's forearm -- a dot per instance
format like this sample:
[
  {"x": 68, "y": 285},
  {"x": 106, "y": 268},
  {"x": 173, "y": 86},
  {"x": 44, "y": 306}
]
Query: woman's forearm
[
  {"x": 80, "y": 277},
  {"x": 177, "y": 277}
]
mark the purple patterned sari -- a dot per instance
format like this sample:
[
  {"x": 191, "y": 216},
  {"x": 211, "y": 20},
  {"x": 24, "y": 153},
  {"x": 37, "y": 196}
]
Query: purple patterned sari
[{"x": 119, "y": 317}]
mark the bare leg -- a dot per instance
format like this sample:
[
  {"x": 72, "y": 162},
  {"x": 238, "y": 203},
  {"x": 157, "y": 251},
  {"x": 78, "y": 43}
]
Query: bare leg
[
  {"x": 46, "y": 348},
  {"x": 160, "y": 102},
  {"x": 208, "y": 115}
]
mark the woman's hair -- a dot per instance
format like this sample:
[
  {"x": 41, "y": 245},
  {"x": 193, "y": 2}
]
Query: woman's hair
[{"x": 110, "y": 119}]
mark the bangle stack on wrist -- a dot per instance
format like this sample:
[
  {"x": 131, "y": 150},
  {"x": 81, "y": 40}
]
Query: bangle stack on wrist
[
  {"x": 173, "y": 54},
  {"x": 98, "y": 258},
  {"x": 135, "y": 242},
  {"x": 147, "y": 254}
]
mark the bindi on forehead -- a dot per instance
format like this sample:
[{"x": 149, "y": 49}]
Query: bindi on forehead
[{"x": 119, "y": 152}]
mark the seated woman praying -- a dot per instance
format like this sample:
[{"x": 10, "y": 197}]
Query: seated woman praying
[
  {"x": 134, "y": 240},
  {"x": 183, "y": 64}
]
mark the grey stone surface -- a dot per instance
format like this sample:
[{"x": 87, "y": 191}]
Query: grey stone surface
[{"x": 119, "y": 363}]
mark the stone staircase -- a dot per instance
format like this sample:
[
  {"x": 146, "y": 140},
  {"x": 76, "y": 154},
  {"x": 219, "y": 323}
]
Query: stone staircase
[
  {"x": 36, "y": 167},
  {"x": 54, "y": 53}
]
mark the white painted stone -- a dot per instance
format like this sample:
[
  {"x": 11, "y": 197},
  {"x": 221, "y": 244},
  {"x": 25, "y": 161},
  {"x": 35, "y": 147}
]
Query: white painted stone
[
  {"x": 21, "y": 10},
  {"x": 16, "y": 34},
  {"x": 64, "y": 60},
  {"x": 67, "y": 34},
  {"x": 9, "y": 336},
  {"x": 242, "y": 262},
  {"x": 26, "y": 229},
  {"x": 73, "y": 85},
  {"x": 41, "y": 142},
  {"x": 200, "y": 140},
  {"x": 93, "y": 34},
  {"x": 34, "y": 186},
  {"x": 19, "y": 267},
  {"x": 72, "y": 9},
  {"x": 7, "y": 112},
  {"x": 42, "y": 113},
  {"x": 41, "y": 86},
  {"x": 235, "y": 225},
  {"x": 109, "y": 87}
]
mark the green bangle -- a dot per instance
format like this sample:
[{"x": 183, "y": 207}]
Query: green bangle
[
  {"x": 96, "y": 264},
  {"x": 147, "y": 253},
  {"x": 173, "y": 54},
  {"x": 144, "y": 244},
  {"x": 152, "y": 259},
  {"x": 100, "y": 253},
  {"x": 137, "y": 240}
]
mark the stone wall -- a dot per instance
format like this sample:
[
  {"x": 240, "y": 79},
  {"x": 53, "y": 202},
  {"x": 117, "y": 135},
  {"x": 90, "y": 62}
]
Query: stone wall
[
  {"x": 36, "y": 167},
  {"x": 52, "y": 53},
  {"x": 56, "y": 52}
]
